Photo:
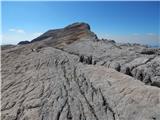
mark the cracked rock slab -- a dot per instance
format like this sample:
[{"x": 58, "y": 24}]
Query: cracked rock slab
[{"x": 51, "y": 84}]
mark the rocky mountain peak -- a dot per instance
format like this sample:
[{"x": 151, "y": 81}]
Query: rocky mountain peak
[
  {"x": 64, "y": 36},
  {"x": 79, "y": 25}
]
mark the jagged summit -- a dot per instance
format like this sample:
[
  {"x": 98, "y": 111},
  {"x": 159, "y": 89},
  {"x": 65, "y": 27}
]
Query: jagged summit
[
  {"x": 80, "y": 25},
  {"x": 66, "y": 35}
]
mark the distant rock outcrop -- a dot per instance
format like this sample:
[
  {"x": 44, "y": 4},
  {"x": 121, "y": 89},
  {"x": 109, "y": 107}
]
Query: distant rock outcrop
[
  {"x": 23, "y": 42},
  {"x": 70, "y": 74}
]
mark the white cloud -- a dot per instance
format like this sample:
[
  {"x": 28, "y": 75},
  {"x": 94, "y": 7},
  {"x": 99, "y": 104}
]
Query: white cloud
[
  {"x": 151, "y": 34},
  {"x": 103, "y": 35},
  {"x": 17, "y": 30},
  {"x": 16, "y": 37}
]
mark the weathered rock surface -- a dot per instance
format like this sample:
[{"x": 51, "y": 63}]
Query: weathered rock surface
[
  {"x": 62, "y": 37},
  {"x": 75, "y": 81},
  {"x": 52, "y": 85},
  {"x": 135, "y": 60},
  {"x": 4, "y": 47}
]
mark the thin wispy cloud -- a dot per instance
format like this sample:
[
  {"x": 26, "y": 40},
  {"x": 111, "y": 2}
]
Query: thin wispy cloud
[
  {"x": 15, "y": 36},
  {"x": 103, "y": 35},
  {"x": 151, "y": 34},
  {"x": 17, "y": 30}
]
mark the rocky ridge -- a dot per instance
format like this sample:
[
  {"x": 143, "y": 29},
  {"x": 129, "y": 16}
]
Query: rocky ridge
[
  {"x": 59, "y": 76},
  {"x": 64, "y": 36}
]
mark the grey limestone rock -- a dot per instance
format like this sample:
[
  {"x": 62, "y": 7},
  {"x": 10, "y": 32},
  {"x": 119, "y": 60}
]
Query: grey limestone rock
[
  {"x": 81, "y": 79},
  {"x": 130, "y": 60},
  {"x": 53, "y": 85}
]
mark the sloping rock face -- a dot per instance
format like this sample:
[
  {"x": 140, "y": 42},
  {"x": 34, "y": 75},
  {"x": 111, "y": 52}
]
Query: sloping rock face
[
  {"x": 62, "y": 37},
  {"x": 76, "y": 81}
]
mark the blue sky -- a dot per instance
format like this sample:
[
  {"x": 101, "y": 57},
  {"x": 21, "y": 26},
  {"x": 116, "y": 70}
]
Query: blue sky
[{"x": 122, "y": 21}]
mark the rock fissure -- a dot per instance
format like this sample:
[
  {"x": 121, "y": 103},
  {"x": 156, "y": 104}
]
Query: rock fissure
[{"x": 70, "y": 74}]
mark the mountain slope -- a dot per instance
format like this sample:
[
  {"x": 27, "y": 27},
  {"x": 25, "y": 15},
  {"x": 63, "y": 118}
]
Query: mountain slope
[
  {"x": 79, "y": 80},
  {"x": 135, "y": 60},
  {"x": 52, "y": 84},
  {"x": 61, "y": 37}
]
